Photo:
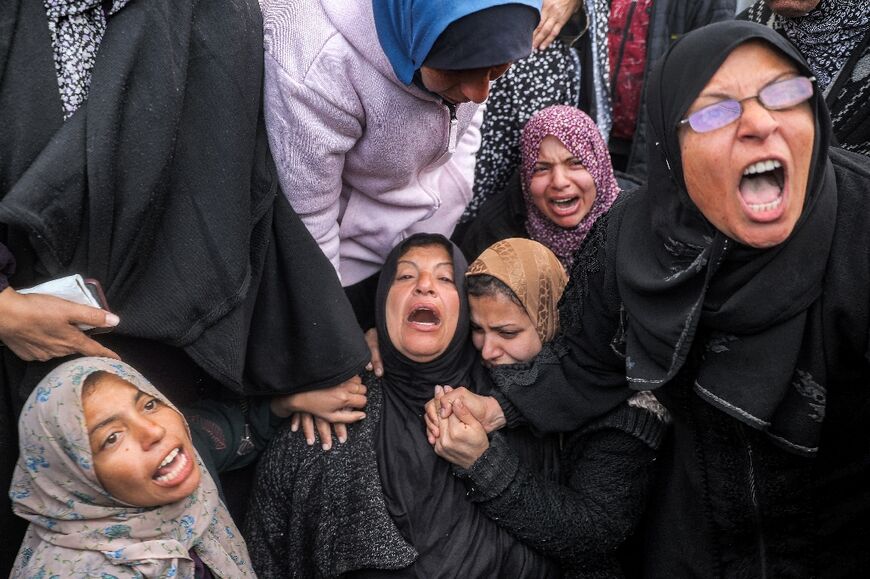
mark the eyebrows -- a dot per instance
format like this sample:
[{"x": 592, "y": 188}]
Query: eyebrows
[
  {"x": 718, "y": 93},
  {"x": 116, "y": 416},
  {"x": 415, "y": 265}
]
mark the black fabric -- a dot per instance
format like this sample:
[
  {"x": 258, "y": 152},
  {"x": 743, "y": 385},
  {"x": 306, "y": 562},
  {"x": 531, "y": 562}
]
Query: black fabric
[
  {"x": 676, "y": 271},
  {"x": 488, "y": 37},
  {"x": 422, "y": 497},
  {"x": 362, "y": 299},
  {"x": 162, "y": 187}
]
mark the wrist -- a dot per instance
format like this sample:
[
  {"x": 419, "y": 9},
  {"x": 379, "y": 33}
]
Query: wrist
[{"x": 494, "y": 415}]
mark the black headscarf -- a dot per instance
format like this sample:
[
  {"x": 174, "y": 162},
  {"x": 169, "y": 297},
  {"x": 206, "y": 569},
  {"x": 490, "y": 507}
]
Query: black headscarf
[
  {"x": 485, "y": 38},
  {"x": 423, "y": 497},
  {"x": 683, "y": 281}
]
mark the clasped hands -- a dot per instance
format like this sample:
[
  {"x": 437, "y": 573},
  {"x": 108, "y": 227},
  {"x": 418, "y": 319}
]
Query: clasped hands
[{"x": 458, "y": 422}]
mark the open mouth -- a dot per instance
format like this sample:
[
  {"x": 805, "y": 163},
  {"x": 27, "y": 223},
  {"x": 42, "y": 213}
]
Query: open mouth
[
  {"x": 425, "y": 316},
  {"x": 565, "y": 206},
  {"x": 761, "y": 187},
  {"x": 173, "y": 467}
]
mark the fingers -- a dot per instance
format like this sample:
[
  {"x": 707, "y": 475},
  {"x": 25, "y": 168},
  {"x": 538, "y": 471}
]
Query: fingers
[
  {"x": 462, "y": 414},
  {"x": 356, "y": 400},
  {"x": 545, "y": 33},
  {"x": 90, "y": 347},
  {"x": 376, "y": 365},
  {"x": 340, "y": 432},
  {"x": 308, "y": 428},
  {"x": 346, "y": 416},
  {"x": 431, "y": 418},
  {"x": 80, "y": 314},
  {"x": 295, "y": 420},
  {"x": 324, "y": 430}
]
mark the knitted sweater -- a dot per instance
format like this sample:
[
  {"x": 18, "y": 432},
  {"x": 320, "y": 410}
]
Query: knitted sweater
[
  {"x": 364, "y": 159},
  {"x": 606, "y": 470}
]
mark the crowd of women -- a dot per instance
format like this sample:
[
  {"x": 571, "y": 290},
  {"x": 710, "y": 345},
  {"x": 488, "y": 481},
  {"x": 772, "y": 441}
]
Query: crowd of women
[{"x": 356, "y": 325}]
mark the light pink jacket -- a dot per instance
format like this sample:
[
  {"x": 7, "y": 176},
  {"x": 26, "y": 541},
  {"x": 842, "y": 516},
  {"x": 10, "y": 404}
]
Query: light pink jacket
[{"x": 364, "y": 160}]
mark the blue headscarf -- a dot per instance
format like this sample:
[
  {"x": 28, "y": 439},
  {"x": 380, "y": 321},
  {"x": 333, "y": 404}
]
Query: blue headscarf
[{"x": 407, "y": 29}]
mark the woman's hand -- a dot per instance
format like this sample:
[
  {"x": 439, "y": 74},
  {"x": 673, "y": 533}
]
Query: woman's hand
[
  {"x": 485, "y": 410},
  {"x": 463, "y": 439},
  {"x": 376, "y": 365},
  {"x": 320, "y": 409},
  {"x": 554, "y": 15},
  {"x": 42, "y": 327}
]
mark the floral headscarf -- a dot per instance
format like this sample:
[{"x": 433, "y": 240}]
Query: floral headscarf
[
  {"x": 77, "y": 529},
  {"x": 578, "y": 134},
  {"x": 533, "y": 273}
]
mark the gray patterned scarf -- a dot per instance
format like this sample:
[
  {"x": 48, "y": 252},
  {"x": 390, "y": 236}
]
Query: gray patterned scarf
[{"x": 77, "y": 28}]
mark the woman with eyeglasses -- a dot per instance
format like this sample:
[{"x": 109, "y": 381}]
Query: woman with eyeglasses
[{"x": 736, "y": 287}]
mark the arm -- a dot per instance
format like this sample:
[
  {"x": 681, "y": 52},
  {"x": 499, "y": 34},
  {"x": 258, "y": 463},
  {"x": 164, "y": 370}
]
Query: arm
[
  {"x": 608, "y": 475},
  {"x": 309, "y": 135}
]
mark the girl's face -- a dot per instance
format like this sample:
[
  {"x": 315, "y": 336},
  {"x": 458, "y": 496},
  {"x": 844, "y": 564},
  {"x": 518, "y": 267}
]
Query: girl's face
[
  {"x": 423, "y": 303},
  {"x": 143, "y": 455},
  {"x": 502, "y": 330},
  {"x": 561, "y": 187}
]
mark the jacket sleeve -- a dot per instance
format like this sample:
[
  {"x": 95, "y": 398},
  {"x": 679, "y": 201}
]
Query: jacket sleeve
[
  {"x": 311, "y": 126},
  {"x": 231, "y": 436},
  {"x": 580, "y": 375},
  {"x": 608, "y": 468}
]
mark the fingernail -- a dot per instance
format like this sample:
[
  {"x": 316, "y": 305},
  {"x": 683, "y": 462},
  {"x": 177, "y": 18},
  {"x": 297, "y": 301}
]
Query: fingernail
[
  {"x": 379, "y": 372},
  {"x": 369, "y": 366},
  {"x": 294, "y": 427},
  {"x": 112, "y": 320},
  {"x": 326, "y": 446},
  {"x": 310, "y": 441},
  {"x": 341, "y": 439}
]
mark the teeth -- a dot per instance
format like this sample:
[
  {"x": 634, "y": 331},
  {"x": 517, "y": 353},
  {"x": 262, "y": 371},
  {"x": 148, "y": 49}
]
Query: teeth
[
  {"x": 762, "y": 167},
  {"x": 169, "y": 458},
  {"x": 563, "y": 201},
  {"x": 759, "y": 207},
  {"x": 176, "y": 470}
]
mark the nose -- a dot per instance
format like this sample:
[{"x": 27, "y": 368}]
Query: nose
[
  {"x": 425, "y": 283},
  {"x": 756, "y": 121},
  {"x": 149, "y": 432},
  {"x": 559, "y": 178},
  {"x": 491, "y": 350},
  {"x": 475, "y": 89}
]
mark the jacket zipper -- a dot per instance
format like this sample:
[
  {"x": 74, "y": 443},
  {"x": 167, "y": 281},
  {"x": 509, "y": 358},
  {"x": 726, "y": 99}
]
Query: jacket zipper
[
  {"x": 762, "y": 551},
  {"x": 622, "y": 42},
  {"x": 453, "y": 131}
]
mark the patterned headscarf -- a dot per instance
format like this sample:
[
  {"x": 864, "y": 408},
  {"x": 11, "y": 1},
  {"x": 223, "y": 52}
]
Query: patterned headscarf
[
  {"x": 533, "y": 273},
  {"x": 77, "y": 28},
  {"x": 581, "y": 137},
  {"x": 77, "y": 529},
  {"x": 828, "y": 35}
]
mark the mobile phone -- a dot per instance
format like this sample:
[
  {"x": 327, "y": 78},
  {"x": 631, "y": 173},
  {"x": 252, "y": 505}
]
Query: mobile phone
[{"x": 96, "y": 290}]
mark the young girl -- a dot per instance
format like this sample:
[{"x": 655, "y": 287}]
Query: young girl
[{"x": 113, "y": 483}]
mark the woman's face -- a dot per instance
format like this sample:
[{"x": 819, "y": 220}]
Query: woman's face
[
  {"x": 143, "y": 455},
  {"x": 423, "y": 303},
  {"x": 561, "y": 187},
  {"x": 502, "y": 330},
  {"x": 725, "y": 169},
  {"x": 461, "y": 86}
]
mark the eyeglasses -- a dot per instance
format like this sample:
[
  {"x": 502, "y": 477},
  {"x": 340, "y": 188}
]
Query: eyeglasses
[{"x": 776, "y": 96}]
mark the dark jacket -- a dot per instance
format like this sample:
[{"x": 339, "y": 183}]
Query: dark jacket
[
  {"x": 583, "y": 519},
  {"x": 669, "y": 20}
]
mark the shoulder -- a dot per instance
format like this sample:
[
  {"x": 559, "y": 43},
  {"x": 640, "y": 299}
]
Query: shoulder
[{"x": 296, "y": 33}]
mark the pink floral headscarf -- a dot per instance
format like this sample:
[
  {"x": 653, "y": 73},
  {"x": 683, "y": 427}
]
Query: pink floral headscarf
[{"x": 579, "y": 134}]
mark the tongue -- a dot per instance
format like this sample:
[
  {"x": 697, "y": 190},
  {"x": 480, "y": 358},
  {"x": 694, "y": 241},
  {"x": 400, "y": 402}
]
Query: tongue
[{"x": 761, "y": 188}]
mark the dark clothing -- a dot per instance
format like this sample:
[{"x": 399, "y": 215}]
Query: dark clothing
[
  {"x": 325, "y": 514},
  {"x": 848, "y": 98},
  {"x": 162, "y": 187},
  {"x": 764, "y": 365},
  {"x": 582, "y": 519},
  {"x": 669, "y": 20}
]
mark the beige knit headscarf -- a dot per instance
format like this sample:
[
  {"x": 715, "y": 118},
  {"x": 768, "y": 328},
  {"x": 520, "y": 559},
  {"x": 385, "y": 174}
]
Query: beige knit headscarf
[{"x": 533, "y": 273}]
